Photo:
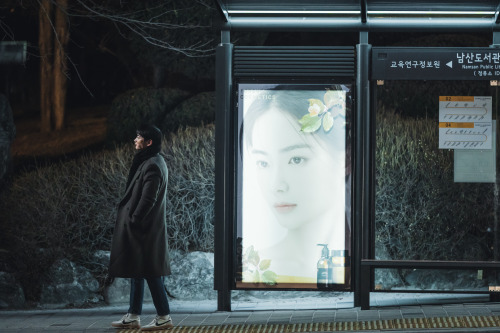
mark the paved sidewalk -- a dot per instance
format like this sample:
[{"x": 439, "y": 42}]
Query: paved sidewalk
[{"x": 390, "y": 312}]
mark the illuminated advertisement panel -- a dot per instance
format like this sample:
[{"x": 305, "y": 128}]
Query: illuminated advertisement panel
[{"x": 294, "y": 186}]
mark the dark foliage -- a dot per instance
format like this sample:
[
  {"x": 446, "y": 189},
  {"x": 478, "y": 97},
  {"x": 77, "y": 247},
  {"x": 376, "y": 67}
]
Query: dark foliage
[
  {"x": 68, "y": 210},
  {"x": 420, "y": 212},
  {"x": 195, "y": 111},
  {"x": 143, "y": 105}
]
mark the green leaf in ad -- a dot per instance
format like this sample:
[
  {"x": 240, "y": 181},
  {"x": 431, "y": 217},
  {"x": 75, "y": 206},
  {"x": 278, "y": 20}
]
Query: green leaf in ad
[
  {"x": 253, "y": 256},
  {"x": 264, "y": 264},
  {"x": 256, "y": 276},
  {"x": 310, "y": 123},
  {"x": 269, "y": 277},
  {"x": 327, "y": 122}
]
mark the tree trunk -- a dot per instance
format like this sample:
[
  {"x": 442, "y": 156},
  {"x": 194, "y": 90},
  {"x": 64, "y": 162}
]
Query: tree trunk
[
  {"x": 45, "y": 37},
  {"x": 60, "y": 63}
]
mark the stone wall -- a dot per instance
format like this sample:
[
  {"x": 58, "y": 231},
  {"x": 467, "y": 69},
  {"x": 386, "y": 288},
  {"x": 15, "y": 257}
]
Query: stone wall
[{"x": 68, "y": 284}]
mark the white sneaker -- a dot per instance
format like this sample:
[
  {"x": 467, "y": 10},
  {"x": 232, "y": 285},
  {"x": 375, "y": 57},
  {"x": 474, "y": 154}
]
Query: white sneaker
[
  {"x": 159, "y": 324},
  {"x": 128, "y": 321}
]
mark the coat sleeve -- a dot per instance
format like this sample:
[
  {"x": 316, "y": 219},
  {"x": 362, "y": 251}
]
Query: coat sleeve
[{"x": 149, "y": 195}]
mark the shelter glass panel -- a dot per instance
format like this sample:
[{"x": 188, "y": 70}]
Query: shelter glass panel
[{"x": 436, "y": 165}]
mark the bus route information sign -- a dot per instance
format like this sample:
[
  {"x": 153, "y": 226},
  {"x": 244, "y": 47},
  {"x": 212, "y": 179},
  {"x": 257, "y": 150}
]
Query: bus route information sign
[{"x": 465, "y": 122}]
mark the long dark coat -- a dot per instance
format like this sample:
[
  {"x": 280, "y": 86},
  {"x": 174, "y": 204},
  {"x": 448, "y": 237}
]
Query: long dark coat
[{"x": 140, "y": 247}]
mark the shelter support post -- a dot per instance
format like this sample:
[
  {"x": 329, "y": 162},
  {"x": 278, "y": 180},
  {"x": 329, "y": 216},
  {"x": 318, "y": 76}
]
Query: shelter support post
[
  {"x": 223, "y": 172},
  {"x": 496, "y": 39},
  {"x": 494, "y": 297},
  {"x": 362, "y": 185}
]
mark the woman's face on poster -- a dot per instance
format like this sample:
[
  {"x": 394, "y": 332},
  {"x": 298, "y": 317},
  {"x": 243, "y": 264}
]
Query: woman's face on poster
[{"x": 298, "y": 177}]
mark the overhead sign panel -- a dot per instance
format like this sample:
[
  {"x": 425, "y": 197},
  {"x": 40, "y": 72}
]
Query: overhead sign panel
[{"x": 416, "y": 63}]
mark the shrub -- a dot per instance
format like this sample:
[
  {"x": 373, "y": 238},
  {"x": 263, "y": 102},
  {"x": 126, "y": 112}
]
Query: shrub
[
  {"x": 68, "y": 210},
  {"x": 140, "y": 105},
  {"x": 64, "y": 210},
  {"x": 197, "y": 110},
  {"x": 420, "y": 212},
  {"x": 191, "y": 189}
]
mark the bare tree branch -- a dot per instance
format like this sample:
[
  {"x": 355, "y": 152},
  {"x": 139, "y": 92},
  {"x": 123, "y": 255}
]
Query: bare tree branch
[{"x": 145, "y": 27}]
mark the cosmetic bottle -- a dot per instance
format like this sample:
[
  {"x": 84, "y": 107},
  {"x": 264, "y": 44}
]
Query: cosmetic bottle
[
  {"x": 323, "y": 266},
  {"x": 338, "y": 262}
]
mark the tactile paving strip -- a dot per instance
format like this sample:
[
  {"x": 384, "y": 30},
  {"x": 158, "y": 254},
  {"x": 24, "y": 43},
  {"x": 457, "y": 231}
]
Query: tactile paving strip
[{"x": 394, "y": 324}]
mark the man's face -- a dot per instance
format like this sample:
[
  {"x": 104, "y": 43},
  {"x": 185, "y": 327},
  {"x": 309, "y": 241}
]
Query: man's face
[{"x": 140, "y": 143}]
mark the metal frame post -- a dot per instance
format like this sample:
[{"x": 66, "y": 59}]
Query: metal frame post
[
  {"x": 223, "y": 174},
  {"x": 362, "y": 280}
]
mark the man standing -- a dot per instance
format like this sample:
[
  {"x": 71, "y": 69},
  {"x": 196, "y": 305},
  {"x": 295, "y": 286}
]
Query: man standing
[{"x": 139, "y": 248}]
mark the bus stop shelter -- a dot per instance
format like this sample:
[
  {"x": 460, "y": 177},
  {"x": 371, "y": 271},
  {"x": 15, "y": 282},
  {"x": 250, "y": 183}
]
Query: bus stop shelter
[{"x": 350, "y": 81}]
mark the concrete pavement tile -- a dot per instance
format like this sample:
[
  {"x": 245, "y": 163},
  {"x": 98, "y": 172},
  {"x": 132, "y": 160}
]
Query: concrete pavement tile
[
  {"x": 101, "y": 323},
  {"x": 479, "y": 311},
  {"x": 19, "y": 325},
  {"x": 346, "y": 317},
  {"x": 280, "y": 317},
  {"x": 278, "y": 321},
  {"x": 264, "y": 314},
  {"x": 189, "y": 322},
  {"x": 224, "y": 314},
  {"x": 260, "y": 317},
  {"x": 239, "y": 314},
  {"x": 230, "y": 321},
  {"x": 196, "y": 316},
  {"x": 389, "y": 315},
  {"x": 283, "y": 312},
  {"x": 325, "y": 318},
  {"x": 413, "y": 315},
  {"x": 257, "y": 321},
  {"x": 411, "y": 310},
  {"x": 215, "y": 322},
  {"x": 324, "y": 313},
  {"x": 362, "y": 317},
  {"x": 305, "y": 312},
  {"x": 435, "y": 313},
  {"x": 301, "y": 318},
  {"x": 458, "y": 313},
  {"x": 178, "y": 319},
  {"x": 368, "y": 314}
]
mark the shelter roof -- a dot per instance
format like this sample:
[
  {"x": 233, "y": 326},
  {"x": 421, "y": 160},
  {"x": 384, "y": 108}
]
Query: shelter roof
[{"x": 369, "y": 15}]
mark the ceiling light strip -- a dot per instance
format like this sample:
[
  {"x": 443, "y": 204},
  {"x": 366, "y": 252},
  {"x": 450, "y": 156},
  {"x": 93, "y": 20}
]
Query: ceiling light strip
[
  {"x": 357, "y": 12},
  {"x": 314, "y": 12},
  {"x": 422, "y": 12}
]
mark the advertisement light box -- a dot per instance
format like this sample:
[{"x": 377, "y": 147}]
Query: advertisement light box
[{"x": 294, "y": 187}]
